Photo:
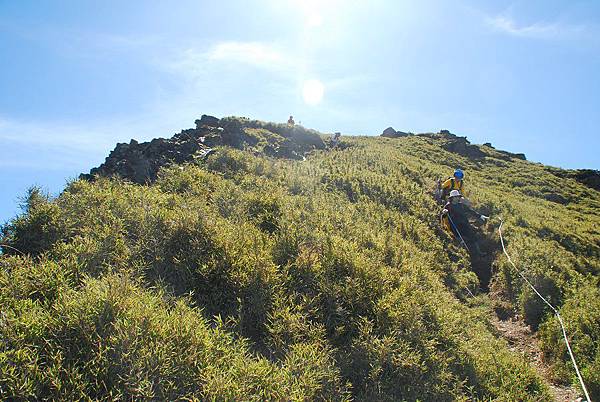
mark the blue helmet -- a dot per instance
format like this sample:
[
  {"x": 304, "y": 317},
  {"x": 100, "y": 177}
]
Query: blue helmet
[{"x": 459, "y": 174}]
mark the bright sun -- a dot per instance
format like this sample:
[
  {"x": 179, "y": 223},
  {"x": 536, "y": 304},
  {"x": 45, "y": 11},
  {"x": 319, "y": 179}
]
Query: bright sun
[{"x": 312, "y": 92}]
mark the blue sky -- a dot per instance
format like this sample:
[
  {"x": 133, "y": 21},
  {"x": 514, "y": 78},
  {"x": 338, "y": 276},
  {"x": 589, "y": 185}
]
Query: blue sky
[{"x": 76, "y": 77}]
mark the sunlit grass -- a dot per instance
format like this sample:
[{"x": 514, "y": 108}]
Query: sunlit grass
[{"x": 252, "y": 278}]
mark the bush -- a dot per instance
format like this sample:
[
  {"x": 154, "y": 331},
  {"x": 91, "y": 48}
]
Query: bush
[
  {"x": 254, "y": 278},
  {"x": 37, "y": 229},
  {"x": 581, "y": 315}
]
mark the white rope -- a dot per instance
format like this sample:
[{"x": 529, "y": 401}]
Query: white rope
[
  {"x": 12, "y": 248},
  {"x": 562, "y": 326},
  {"x": 458, "y": 232}
]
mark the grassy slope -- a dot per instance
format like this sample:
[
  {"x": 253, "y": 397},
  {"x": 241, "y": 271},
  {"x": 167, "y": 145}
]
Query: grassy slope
[{"x": 255, "y": 278}]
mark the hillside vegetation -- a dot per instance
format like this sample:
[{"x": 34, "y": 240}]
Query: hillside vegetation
[{"x": 251, "y": 274}]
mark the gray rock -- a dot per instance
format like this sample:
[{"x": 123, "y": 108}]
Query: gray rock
[
  {"x": 461, "y": 146},
  {"x": 208, "y": 121},
  {"x": 588, "y": 177},
  {"x": 391, "y": 133},
  {"x": 141, "y": 162}
]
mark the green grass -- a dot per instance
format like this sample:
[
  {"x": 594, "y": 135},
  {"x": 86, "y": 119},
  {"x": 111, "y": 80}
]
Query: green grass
[{"x": 251, "y": 278}]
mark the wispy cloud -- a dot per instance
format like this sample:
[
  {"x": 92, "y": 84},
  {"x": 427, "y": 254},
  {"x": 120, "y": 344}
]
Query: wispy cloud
[
  {"x": 539, "y": 30},
  {"x": 194, "y": 62}
]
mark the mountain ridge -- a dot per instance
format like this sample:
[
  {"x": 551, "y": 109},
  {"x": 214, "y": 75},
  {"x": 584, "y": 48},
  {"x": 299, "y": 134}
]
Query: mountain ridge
[
  {"x": 140, "y": 162},
  {"x": 262, "y": 263}
]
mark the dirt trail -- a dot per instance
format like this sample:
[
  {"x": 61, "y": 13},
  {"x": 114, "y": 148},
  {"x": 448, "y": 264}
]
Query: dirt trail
[
  {"x": 522, "y": 341},
  {"x": 519, "y": 336}
]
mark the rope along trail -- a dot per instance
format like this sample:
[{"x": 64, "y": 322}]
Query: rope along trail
[
  {"x": 562, "y": 326},
  {"x": 12, "y": 248}
]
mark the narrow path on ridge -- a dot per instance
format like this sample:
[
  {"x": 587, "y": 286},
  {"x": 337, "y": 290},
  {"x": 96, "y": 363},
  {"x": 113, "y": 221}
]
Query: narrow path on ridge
[
  {"x": 521, "y": 340},
  {"x": 519, "y": 336}
]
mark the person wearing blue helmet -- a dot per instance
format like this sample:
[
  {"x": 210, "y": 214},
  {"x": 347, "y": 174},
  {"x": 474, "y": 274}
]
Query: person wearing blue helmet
[{"x": 453, "y": 183}]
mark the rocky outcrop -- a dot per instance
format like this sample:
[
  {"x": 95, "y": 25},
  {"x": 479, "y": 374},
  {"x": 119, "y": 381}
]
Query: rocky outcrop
[
  {"x": 207, "y": 121},
  {"x": 507, "y": 156},
  {"x": 589, "y": 177},
  {"x": 141, "y": 162},
  {"x": 391, "y": 133},
  {"x": 443, "y": 134},
  {"x": 461, "y": 146}
]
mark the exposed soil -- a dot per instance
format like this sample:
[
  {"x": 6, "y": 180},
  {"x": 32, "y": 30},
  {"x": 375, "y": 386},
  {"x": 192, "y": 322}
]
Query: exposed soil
[
  {"x": 520, "y": 338},
  {"x": 522, "y": 341},
  {"x": 510, "y": 326}
]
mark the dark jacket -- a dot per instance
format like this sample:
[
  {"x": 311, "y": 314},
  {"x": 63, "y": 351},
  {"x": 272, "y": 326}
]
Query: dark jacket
[{"x": 460, "y": 213}]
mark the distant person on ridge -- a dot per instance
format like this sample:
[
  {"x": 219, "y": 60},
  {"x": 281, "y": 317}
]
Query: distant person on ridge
[
  {"x": 291, "y": 121},
  {"x": 455, "y": 217}
]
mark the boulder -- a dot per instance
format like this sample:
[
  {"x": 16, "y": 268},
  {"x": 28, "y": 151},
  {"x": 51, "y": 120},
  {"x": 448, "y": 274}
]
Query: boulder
[
  {"x": 555, "y": 197},
  {"x": 391, "y": 133},
  {"x": 588, "y": 177},
  {"x": 208, "y": 121},
  {"x": 461, "y": 146}
]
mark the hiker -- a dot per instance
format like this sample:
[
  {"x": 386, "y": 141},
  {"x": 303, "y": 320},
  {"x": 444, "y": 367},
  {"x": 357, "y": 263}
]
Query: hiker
[
  {"x": 291, "y": 121},
  {"x": 335, "y": 140},
  {"x": 455, "y": 217},
  {"x": 452, "y": 183}
]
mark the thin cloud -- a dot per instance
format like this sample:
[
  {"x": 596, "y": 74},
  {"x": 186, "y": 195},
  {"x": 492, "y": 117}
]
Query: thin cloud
[
  {"x": 196, "y": 68},
  {"x": 195, "y": 63},
  {"x": 539, "y": 30}
]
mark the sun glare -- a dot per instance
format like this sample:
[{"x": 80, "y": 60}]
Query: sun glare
[
  {"x": 314, "y": 10},
  {"x": 315, "y": 20},
  {"x": 312, "y": 92}
]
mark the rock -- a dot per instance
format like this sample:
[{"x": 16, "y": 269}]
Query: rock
[
  {"x": 443, "y": 134},
  {"x": 391, "y": 133},
  {"x": 588, "y": 177},
  {"x": 208, "y": 121},
  {"x": 460, "y": 145},
  {"x": 520, "y": 156},
  {"x": 489, "y": 145},
  {"x": 557, "y": 198},
  {"x": 141, "y": 162}
]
